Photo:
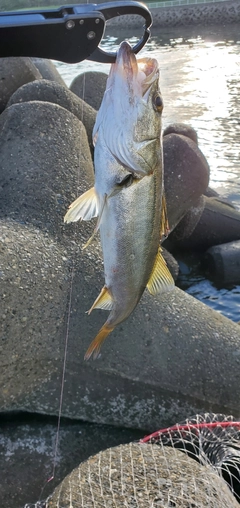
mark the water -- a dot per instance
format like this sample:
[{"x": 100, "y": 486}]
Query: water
[
  {"x": 192, "y": 279},
  {"x": 200, "y": 86}
]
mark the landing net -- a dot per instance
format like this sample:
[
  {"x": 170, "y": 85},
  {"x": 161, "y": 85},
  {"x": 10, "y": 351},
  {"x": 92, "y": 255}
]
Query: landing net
[
  {"x": 155, "y": 473},
  {"x": 210, "y": 438}
]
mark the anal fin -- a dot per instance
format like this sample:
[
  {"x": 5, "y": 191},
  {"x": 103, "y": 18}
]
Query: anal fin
[
  {"x": 160, "y": 278},
  {"x": 85, "y": 207},
  {"x": 103, "y": 301}
]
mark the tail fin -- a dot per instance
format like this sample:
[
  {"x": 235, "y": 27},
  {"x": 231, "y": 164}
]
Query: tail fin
[{"x": 96, "y": 344}]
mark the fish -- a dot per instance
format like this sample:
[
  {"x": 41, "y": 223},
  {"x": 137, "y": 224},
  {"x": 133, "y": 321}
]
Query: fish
[{"x": 128, "y": 193}]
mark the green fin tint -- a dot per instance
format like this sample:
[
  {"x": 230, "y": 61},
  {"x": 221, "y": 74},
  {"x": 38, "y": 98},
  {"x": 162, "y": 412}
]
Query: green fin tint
[
  {"x": 85, "y": 207},
  {"x": 103, "y": 301},
  {"x": 160, "y": 278}
]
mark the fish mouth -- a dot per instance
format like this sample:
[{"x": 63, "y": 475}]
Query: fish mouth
[
  {"x": 139, "y": 74},
  {"x": 126, "y": 61}
]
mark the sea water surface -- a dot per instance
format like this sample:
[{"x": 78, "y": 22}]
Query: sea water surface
[{"x": 200, "y": 86}]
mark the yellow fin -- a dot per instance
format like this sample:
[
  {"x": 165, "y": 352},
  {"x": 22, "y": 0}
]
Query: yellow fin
[
  {"x": 85, "y": 207},
  {"x": 164, "y": 231},
  {"x": 160, "y": 278},
  {"x": 96, "y": 344},
  {"x": 103, "y": 301}
]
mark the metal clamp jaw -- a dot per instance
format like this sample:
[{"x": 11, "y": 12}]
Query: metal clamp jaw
[
  {"x": 70, "y": 33},
  {"x": 112, "y": 10}
]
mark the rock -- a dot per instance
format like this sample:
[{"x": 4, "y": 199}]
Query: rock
[
  {"x": 187, "y": 225},
  {"x": 49, "y": 91},
  {"x": 186, "y": 175},
  {"x": 48, "y": 70},
  {"x": 35, "y": 274},
  {"x": 43, "y": 147},
  {"x": 211, "y": 193},
  {"x": 181, "y": 348},
  {"x": 90, "y": 86},
  {"x": 14, "y": 73},
  {"x": 171, "y": 263},
  {"x": 173, "y": 357},
  {"x": 27, "y": 450},
  {"x": 219, "y": 223},
  {"x": 182, "y": 129},
  {"x": 144, "y": 476},
  {"x": 222, "y": 262}
]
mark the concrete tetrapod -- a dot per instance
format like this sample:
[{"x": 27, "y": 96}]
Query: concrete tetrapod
[
  {"x": 145, "y": 476},
  {"x": 53, "y": 92},
  {"x": 223, "y": 262},
  {"x": 90, "y": 86},
  {"x": 217, "y": 223}
]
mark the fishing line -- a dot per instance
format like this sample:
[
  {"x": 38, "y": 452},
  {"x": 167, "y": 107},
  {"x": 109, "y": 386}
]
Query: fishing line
[
  {"x": 62, "y": 383},
  {"x": 56, "y": 447},
  {"x": 69, "y": 309}
]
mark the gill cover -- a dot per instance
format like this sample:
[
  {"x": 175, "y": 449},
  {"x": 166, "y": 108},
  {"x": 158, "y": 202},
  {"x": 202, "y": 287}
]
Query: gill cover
[{"x": 127, "y": 121}]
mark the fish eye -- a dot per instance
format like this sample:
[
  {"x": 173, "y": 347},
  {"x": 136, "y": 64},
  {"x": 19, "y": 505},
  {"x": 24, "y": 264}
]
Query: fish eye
[
  {"x": 127, "y": 181},
  {"x": 158, "y": 102}
]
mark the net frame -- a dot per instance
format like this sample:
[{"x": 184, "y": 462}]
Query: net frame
[{"x": 209, "y": 438}]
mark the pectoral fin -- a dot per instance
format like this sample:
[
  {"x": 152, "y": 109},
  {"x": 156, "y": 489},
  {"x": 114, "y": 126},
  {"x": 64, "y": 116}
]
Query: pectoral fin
[
  {"x": 96, "y": 344},
  {"x": 103, "y": 301},
  {"x": 85, "y": 207},
  {"x": 160, "y": 279},
  {"x": 101, "y": 208}
]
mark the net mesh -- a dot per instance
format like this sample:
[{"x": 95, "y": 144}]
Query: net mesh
[
  {"x": 210, "y": 438},
  {"x": 141, "y": 476},
  {"x": 154, "y": 473}
]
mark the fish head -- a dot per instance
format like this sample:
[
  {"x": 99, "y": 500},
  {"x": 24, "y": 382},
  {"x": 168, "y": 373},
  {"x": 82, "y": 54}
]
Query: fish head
[{"x": 128, "y": 123}]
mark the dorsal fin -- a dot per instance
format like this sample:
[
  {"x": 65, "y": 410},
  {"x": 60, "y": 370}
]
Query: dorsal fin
[
  {"x": 103, "y": 301},
  {"x": 85, "y": 207},
  {"x": 160, "y": 278}
]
